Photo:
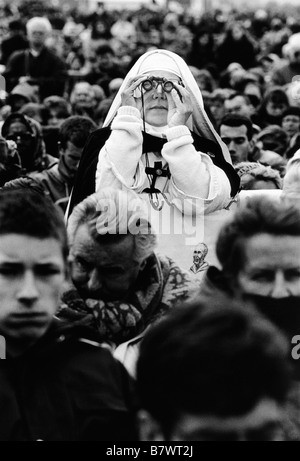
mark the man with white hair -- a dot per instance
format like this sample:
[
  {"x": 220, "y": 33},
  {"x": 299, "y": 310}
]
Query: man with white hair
[
  {"x": 83, "y": 99},
  {"x": 38, "y": 65},
  {"x": 284, "y": 74},
  {"x": 122, "y": 284}
]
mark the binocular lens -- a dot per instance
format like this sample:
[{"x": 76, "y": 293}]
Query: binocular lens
[
  {"x": 168, "y": 86},
  {"x": 148, "y": 85}
]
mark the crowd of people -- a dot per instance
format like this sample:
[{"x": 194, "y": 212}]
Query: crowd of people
[{"x": 104, "y": 116}]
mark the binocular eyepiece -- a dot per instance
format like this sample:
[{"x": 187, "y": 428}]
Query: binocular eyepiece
[{"x": 153, "y": 82}]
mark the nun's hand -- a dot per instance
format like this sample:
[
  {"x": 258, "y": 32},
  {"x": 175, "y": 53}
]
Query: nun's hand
[
  {"x": 131, "y": 95},
  {"x": 180, "y": 106}
]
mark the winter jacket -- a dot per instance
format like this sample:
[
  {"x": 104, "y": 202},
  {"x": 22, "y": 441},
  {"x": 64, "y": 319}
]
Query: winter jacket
[
  {"x": 47, "y": 70},
  {"x": 67, "y": 387}
]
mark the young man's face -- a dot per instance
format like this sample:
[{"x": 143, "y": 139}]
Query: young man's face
[
  {"x": 235, "y": 137},
  {"x": 69, "y": 159},
  {"x": 32, "y": 274},
  {"x": 103, "y": 271},
  {"x": 271, "y": 267}
]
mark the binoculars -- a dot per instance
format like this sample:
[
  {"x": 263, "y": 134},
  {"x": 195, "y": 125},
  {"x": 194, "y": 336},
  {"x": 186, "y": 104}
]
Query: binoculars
[{"x": 153, "y": 82}]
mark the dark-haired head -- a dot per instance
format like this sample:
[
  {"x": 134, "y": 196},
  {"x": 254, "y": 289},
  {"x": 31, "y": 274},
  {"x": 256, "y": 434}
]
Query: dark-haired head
[
  {"x": 26, "y": 212},
  {"x": 210, "y": 358},
  {"x": 235, "y": 120},
  {"x": 76, "y": 129}
]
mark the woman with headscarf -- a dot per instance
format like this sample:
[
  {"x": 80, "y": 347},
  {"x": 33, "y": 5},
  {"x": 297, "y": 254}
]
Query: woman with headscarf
[
  {"x": 157, "y": 139},
  {"x": 27, "y": 134}
]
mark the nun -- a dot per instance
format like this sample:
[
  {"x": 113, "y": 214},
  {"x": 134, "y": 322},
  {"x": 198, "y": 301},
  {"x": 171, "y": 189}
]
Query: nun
[{"x": 157, "y": 140}]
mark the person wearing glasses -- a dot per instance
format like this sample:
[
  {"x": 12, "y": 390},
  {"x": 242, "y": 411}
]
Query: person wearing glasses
[{"x": 157, "y": 140}]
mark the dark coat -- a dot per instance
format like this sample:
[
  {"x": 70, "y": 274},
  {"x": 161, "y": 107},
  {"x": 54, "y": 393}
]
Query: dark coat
[
  {"x": 47, "y": 70},
  {"x": 65, "y": 388},
  {"x": 12, "y": 44}
]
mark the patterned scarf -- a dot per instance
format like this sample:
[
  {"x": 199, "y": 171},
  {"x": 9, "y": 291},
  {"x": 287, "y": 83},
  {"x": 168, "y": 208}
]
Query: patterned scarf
[{"x": 119, "y": 321}]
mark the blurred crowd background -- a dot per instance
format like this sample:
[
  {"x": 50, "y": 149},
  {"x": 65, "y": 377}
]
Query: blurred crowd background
[{"x": 246, "y": 62}]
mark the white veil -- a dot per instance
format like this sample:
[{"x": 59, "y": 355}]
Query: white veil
[{"x": 199, "y": 122}]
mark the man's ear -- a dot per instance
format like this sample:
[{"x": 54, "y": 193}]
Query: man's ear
[
  {"x": 253, "y": 147},
  {"x": 149, "y": 428},
  {"x": 252, "y": 144}
]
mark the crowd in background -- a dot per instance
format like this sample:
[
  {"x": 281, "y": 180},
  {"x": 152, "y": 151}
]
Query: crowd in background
[
  {"x": 216, "y": 367},
  {"x": 246, "y": 64}
]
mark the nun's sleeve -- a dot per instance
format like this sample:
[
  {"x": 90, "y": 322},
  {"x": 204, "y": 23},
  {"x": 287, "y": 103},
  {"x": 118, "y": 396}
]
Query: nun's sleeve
[
  {"x": 119, "y": 162},
  {"x": 194, "y": 177}
]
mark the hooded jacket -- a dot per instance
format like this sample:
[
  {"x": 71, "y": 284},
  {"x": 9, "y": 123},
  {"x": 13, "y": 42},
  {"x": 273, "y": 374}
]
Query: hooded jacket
[{"x": 39, "y": 159}]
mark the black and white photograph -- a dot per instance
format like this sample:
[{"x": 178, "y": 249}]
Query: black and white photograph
[{"x": 149, "y": 223}]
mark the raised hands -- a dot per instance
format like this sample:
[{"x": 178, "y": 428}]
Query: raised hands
[
  {"x": 131, "y": 95},
  {"x": 179, "y": 106},
  {"x": 179, "y": 101}
]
